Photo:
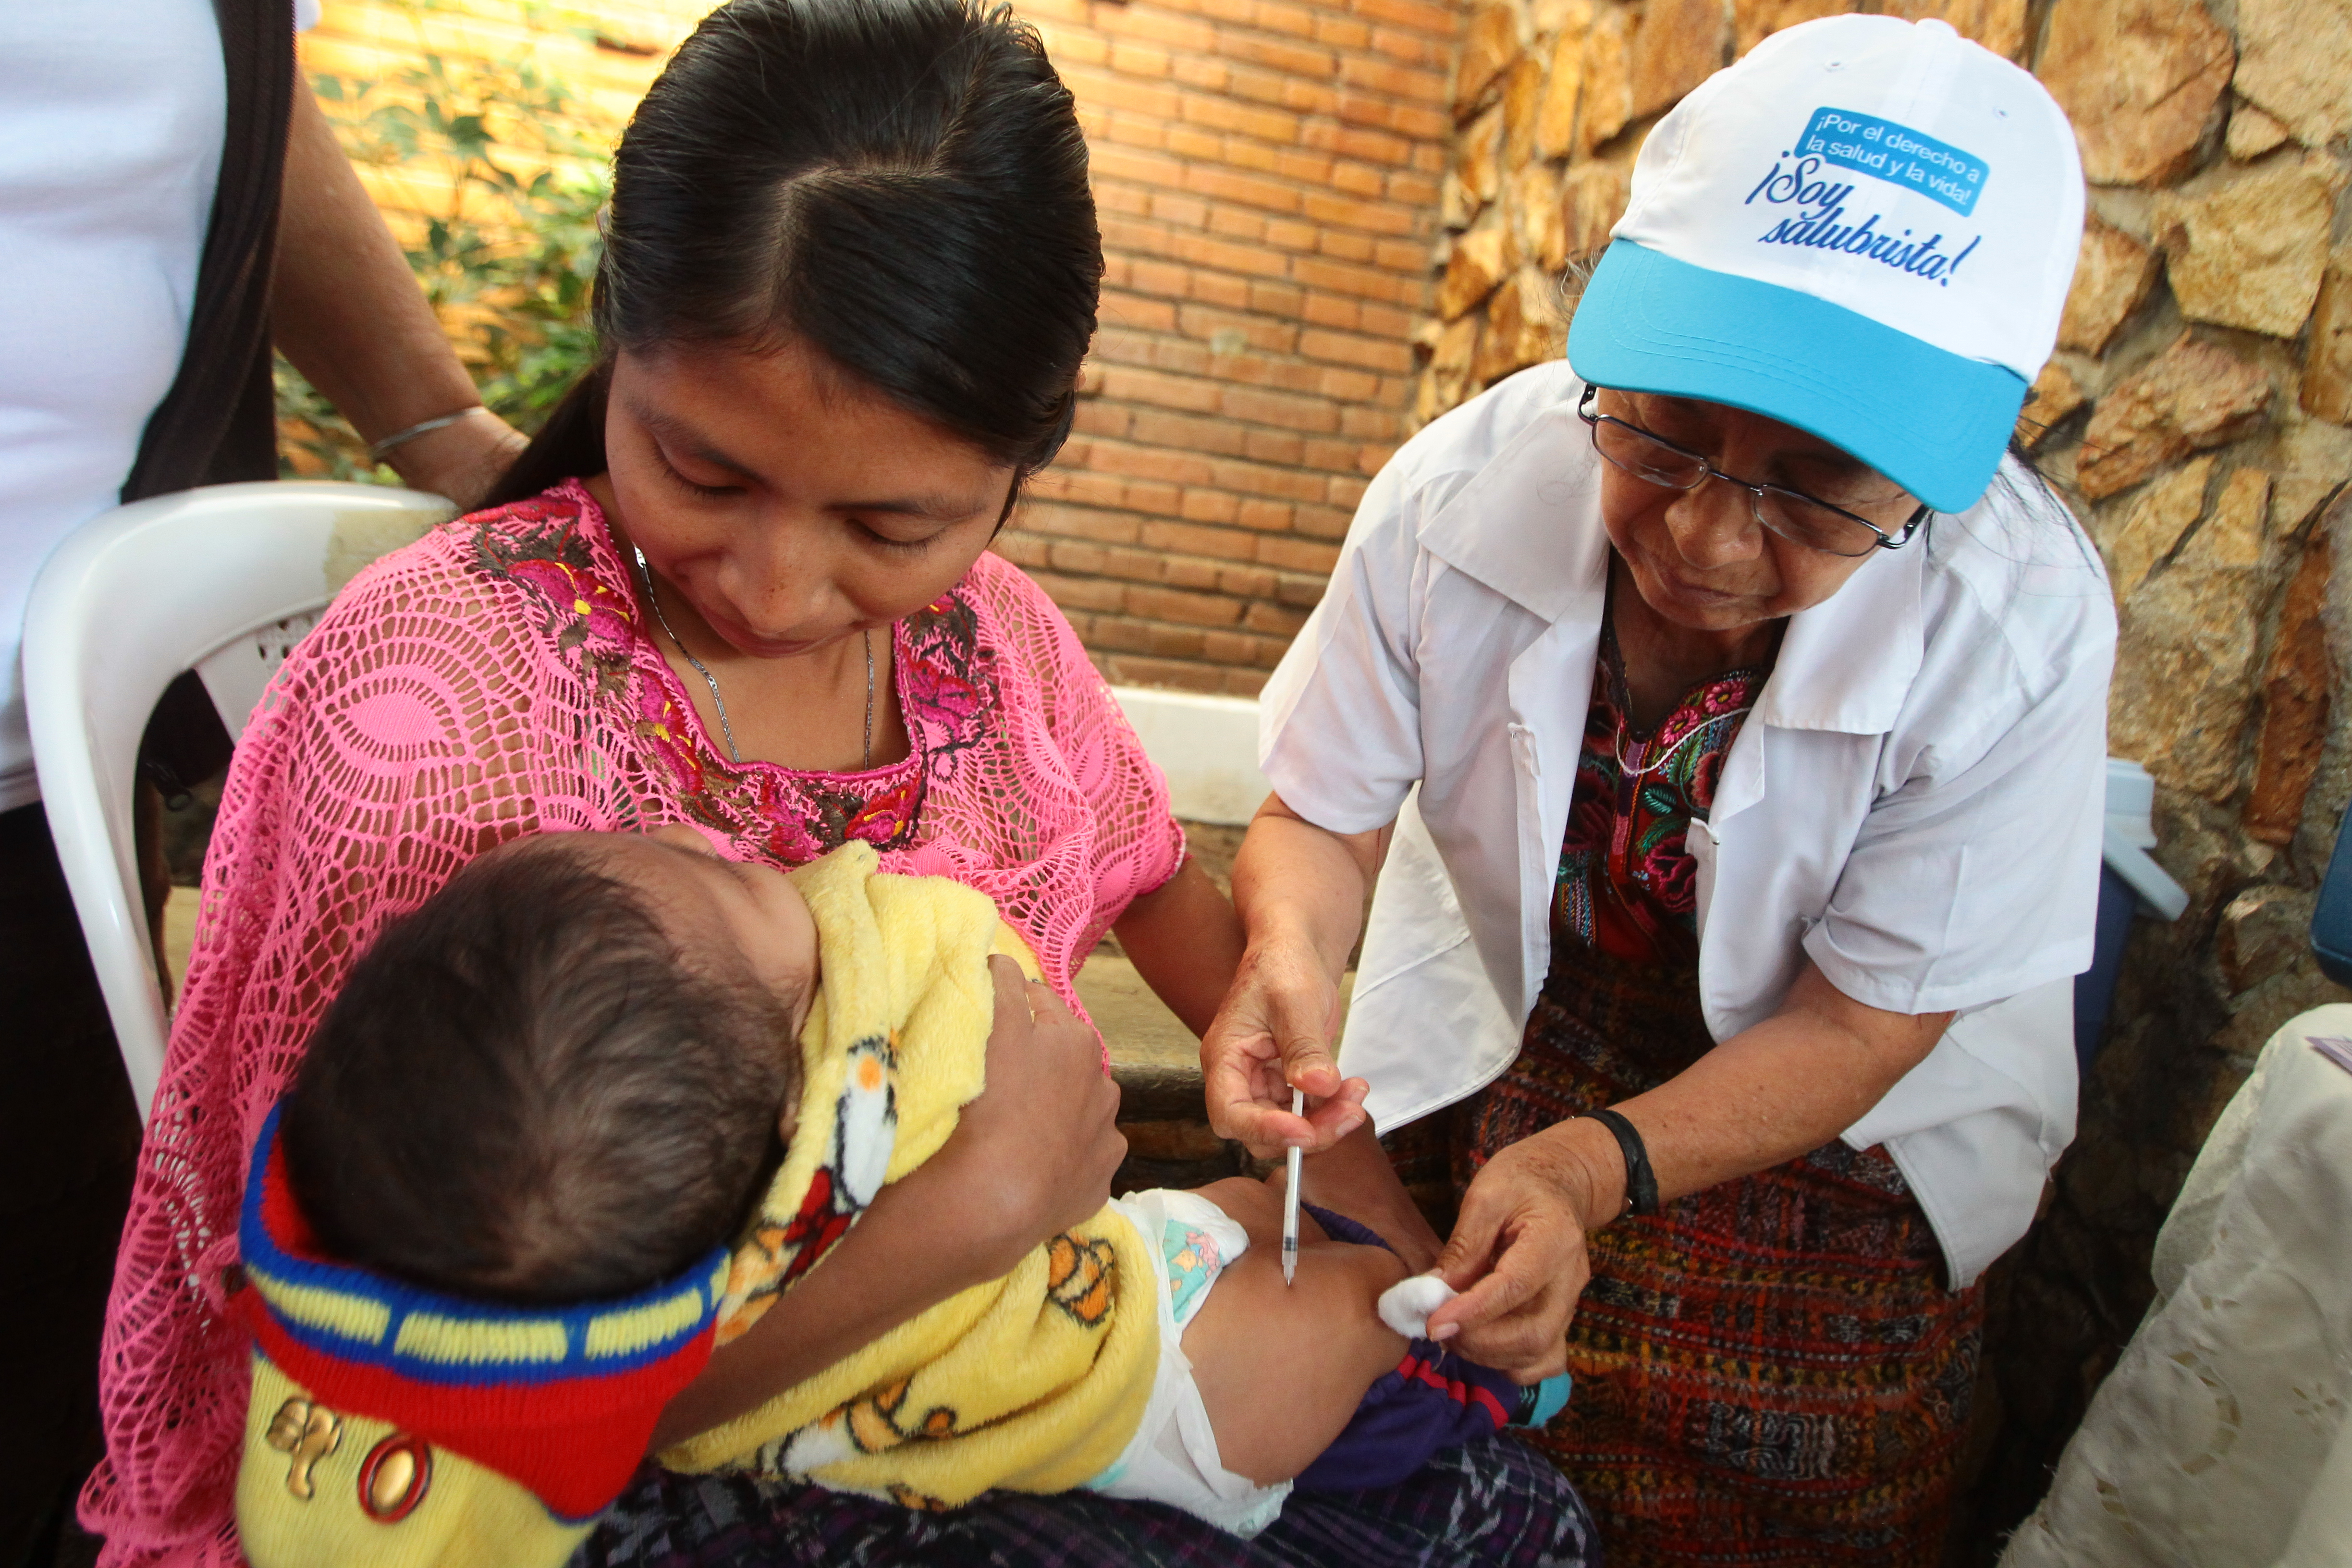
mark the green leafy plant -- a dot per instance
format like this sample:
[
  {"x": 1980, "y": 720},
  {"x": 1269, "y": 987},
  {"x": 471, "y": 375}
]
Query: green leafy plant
[{"x": 509, "y": 244}]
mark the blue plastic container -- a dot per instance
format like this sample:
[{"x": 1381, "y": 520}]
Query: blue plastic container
[
  {"x": 2331, "y": 920},
  {"x": 2094, "y": 988},
  {"x": 2130, "y": 884}
]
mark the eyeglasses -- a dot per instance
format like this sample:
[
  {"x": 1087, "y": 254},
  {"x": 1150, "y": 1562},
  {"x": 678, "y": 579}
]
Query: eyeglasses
[{"x": 1793, "y": 514}]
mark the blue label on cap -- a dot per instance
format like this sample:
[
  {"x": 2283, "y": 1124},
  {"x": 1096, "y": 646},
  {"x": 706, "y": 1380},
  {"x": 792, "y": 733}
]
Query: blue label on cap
[{"x": 1896, "y": 153}]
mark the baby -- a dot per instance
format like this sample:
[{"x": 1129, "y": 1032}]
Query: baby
[{"x": 603, "y": 1097}]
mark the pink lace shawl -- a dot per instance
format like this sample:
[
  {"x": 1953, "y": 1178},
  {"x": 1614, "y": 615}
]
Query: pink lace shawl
[{"x": 490, "y": 680}]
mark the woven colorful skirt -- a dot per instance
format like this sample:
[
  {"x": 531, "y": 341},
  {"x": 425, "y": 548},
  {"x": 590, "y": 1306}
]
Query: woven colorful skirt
[
  {"x": 1768, "y": 1374},
  {"x": 1494, "y": 1504}
]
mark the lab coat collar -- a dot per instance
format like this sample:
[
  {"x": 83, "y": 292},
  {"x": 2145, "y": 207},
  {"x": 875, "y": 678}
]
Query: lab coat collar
[
  {"x": 1527, "y": 525},
  {"x": 1847, "y": 663}
]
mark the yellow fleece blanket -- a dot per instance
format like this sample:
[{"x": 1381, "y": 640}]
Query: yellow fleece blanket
[{"x": 1035, "y": 1381}]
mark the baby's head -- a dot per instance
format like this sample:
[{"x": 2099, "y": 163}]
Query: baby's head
[{"x": 565, "y": 1076}]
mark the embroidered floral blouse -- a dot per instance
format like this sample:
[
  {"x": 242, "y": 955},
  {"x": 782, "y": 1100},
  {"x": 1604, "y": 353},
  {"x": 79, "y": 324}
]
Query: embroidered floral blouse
[
  {"x": 497, "y": 678},
  {"x": 1627, "y": 885},
  {"x": 944, "y": 677}
]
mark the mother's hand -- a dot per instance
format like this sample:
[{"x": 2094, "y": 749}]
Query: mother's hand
[
  {"x": 1033, "y": 1157},
  {"x": 1035, "y": 1153},
  {"x": 1518, "y": 1251}
]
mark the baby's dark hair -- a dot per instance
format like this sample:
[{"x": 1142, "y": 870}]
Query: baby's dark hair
[{"x": 525, "y": 1092}]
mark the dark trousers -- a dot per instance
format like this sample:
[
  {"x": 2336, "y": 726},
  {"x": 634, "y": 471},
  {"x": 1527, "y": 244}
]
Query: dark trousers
[{"x": 68, "y": 1142}]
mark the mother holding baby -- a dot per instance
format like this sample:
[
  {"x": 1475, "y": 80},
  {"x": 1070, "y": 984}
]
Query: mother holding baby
[
  {"x": 1721, "y": 713},
  {"x": 739, "y": 582}
]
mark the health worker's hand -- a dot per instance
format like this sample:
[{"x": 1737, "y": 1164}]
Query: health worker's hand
[
  {"x": 1275, "y": 1032},
  {"x": 1517, "y": 1252}
]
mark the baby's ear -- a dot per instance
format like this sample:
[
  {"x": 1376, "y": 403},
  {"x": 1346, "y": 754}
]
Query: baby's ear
[{"x": 788, "y": 1117}]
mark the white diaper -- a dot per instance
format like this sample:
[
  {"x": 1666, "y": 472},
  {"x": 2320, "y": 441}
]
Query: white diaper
[{"x": 1173, "y": 1459}]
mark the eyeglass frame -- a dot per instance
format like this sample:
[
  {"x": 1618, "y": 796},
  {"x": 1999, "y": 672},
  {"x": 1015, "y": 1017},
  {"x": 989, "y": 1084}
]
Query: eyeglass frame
[{"x": 1881, "y": 539}]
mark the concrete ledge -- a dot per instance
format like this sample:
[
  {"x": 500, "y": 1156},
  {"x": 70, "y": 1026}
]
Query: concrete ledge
[{"x": 1206, "y": 745}]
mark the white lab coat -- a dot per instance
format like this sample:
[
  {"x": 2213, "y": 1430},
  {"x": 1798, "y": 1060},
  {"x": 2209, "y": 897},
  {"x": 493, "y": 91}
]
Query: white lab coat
[{"x": 1914, "y": 802}]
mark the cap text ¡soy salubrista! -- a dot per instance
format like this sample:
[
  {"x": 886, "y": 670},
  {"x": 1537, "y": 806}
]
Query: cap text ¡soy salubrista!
[{"x": 1866, "y": 228}]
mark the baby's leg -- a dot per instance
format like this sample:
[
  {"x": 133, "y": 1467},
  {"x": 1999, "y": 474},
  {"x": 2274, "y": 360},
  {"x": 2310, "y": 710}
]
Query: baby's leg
[
  {"x": 1282, "y": 1369},
  {"x": 1354, "y": 1178}
]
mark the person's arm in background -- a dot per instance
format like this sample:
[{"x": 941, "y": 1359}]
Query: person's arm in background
[{"x": 345, "y": 308}]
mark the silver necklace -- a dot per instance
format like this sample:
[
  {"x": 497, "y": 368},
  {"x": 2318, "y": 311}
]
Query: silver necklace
[
  {"x": 1628, "y": 771},
  {"x": 646, "y": 574}
]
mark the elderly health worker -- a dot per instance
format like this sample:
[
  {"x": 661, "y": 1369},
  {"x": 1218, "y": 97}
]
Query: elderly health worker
[{"x": 1723, "y": 716}]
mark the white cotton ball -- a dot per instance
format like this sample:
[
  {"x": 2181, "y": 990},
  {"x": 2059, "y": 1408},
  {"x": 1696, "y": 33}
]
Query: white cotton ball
[{"x": 1405, "y": 1306}]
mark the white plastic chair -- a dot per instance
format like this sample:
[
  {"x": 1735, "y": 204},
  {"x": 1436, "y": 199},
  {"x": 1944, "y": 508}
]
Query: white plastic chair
[{"x": 223, "y": 581}]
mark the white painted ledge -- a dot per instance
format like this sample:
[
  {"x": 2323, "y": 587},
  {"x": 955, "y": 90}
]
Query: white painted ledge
[{"x": 1206, "y": 745}]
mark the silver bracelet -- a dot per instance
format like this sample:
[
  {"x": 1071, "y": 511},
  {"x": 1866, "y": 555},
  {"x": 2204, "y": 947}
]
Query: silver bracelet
[{"x": 422, "y": 427}]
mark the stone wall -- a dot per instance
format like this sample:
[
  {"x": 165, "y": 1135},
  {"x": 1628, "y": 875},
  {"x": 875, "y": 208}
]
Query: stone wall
[{"x": 2195, "y": 418}]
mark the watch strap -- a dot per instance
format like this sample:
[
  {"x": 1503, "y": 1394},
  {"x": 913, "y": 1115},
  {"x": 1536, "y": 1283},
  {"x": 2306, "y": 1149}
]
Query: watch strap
[{"x": 1641, "y": 1182}]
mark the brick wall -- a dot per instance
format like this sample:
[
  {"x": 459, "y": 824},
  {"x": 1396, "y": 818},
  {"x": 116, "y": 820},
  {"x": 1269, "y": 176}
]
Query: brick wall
[{"x": 1268, "y": 174}]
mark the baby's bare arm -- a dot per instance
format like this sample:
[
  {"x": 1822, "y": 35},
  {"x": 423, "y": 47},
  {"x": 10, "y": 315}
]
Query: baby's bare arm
[{"x": 1282, "y": 1369}]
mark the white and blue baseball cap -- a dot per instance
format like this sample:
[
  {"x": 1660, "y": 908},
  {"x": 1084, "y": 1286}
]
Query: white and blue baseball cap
[{"x": 1866, "y": 228}]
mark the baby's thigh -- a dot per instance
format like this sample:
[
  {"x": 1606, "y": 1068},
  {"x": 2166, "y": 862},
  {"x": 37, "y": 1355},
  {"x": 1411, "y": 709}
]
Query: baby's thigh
[
  {"x": 1256, "y": 1207},
  {"x": 1282, "y": 1368}
]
